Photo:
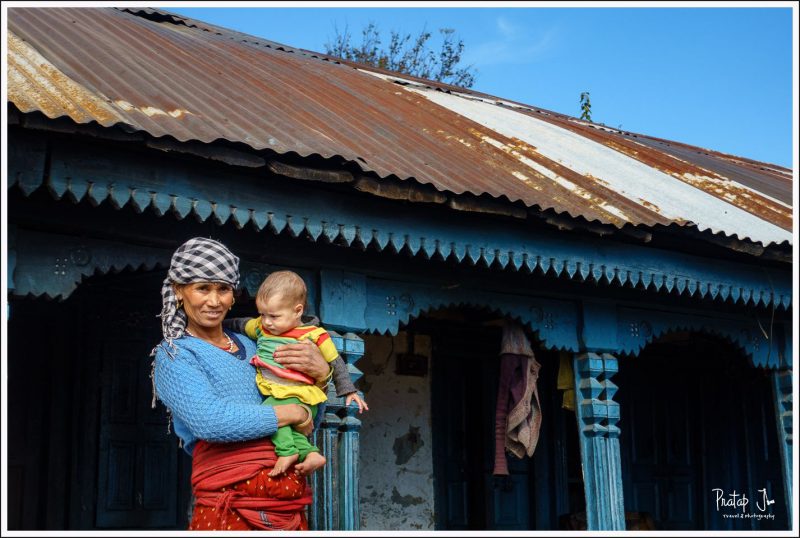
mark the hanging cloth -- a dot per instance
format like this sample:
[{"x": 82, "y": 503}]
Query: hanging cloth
[
  {"x": 518, "y": 413},
  {"x": 566, "y": 381}
]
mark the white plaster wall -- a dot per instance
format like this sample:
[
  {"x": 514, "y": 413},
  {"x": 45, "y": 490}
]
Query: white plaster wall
[{"x": 396, "y": 461}]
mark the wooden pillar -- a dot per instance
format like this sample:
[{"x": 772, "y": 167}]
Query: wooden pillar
[
  {"x": 323, "y": 512},
  {"x": 598, "y": 433},
  {"x": 349, "y": 514},
  {"x": 782, "y": 391},
  {"x": 336, "y": 502}
]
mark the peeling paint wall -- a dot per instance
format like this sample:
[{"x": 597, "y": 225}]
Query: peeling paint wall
[{"x": 396, "y": 460}]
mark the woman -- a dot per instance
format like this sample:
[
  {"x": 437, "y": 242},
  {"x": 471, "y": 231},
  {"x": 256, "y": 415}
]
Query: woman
[{"x": 203, "y": 376}]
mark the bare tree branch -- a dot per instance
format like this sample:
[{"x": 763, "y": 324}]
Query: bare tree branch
[{"x": 406, "y": 54}]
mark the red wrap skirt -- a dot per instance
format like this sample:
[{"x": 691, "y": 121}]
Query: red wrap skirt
[{"x": 233, "y": 492}]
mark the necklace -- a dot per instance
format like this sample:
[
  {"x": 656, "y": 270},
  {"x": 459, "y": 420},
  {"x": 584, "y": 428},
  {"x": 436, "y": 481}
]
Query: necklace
[{"x": 228, "y": 348}]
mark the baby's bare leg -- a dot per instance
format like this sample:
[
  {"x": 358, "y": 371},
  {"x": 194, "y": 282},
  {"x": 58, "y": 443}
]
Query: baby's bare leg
[
  {"x": 313, "y": 461},
  {"x": 282, "y": 464}
]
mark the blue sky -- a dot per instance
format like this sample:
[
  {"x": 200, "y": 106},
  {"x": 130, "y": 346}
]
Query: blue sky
[{"x": 719, "y": 78}]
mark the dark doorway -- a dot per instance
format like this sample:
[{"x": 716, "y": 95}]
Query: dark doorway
[
  {"x": 87, "y": 450},
  {"x": 465, "y": 372},
  {"x": 697, "y": 418}
]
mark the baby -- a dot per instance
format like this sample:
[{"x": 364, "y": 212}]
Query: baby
[{"x": 281, "y": 300}]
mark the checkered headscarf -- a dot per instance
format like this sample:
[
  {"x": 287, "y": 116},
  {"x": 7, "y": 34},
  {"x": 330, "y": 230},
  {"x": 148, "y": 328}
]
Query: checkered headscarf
[{"x": 197, "y": 260}]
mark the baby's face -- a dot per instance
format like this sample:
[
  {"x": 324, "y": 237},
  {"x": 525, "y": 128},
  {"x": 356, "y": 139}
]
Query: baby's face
[{"x": 278, "y": 314}]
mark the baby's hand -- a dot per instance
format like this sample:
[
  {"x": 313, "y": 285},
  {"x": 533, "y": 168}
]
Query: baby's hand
[{"x": 354, "y": 397}]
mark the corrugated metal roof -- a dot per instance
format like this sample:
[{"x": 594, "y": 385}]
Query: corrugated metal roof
[{"x": 169, "y": 76}]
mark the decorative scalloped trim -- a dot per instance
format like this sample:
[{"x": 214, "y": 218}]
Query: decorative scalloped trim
[
  {"x": 525, "y": 315},
  {"x": 54, "y": 266},
  {"x": 760, "y": 360},
  {"x": 66, "y": 291},
  {"x": 141, "y": 199}
]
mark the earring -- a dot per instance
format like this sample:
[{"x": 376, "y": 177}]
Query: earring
[{"x": 180, "y": 304}]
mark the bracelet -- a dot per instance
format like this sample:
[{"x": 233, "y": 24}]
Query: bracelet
[
  {"x": 308, "y": 419},
  {"x": 323, "y": 385}
]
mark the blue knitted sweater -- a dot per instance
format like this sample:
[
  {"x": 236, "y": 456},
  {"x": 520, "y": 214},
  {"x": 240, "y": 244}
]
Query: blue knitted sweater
[{"x": 211, "y": 394}]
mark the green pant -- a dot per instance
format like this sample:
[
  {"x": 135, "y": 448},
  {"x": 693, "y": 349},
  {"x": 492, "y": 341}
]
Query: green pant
[{"x": 287, "y": 441}]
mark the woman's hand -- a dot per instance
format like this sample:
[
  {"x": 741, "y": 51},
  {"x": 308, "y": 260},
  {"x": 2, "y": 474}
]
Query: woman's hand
[
  {"x": 304, "y": 356},
  {"x": 293, "y": 415},
  {"x": 307, "y": 426}
]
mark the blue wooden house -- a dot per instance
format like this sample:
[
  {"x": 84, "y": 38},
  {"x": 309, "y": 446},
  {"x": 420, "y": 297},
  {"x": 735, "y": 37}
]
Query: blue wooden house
[{"x": 653, "y": 276}]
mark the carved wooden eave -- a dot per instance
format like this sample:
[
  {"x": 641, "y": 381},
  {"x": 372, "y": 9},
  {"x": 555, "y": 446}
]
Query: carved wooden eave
[
  {"x": 336, "y": 170},
  {"x": 182, "y": 188}
]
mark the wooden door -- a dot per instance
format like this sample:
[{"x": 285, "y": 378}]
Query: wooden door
[
  {"x": 142, "y": 478},
  {"x": 465, "y": 369},
  {"x": 740, "y": 446},
  {"x": 658, "y": 444},
  {"x": 696, "y": 417},
  {"x": 454, "y": 437},
  {"x": 138, "y": 461},
  {"x": 761, "y": 442}
]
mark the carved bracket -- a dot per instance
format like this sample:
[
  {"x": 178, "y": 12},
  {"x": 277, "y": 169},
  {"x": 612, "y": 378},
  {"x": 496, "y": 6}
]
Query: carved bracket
[
  {"x": 343, "y": 299},
  {"x": 595, "y": 391},
  {"x": 392, "y": 303},
  {"x": 351, "y": 349},
  {"x": 764, "y": 345},
  {"x": 53, "y": 265}
]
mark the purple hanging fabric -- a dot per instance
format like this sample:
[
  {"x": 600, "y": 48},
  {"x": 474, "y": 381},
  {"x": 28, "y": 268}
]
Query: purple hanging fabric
[{"x": 518, "y": 413}]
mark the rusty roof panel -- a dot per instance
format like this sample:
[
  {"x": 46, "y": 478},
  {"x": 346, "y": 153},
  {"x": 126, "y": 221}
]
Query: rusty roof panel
[
  {"x": 711, "y": 172},
  {"x": 726, "y": 177},
  {"x": 769, "y": 180},
  {"x": 170, "y": 76},
  {"x": 673, "y": 190}
]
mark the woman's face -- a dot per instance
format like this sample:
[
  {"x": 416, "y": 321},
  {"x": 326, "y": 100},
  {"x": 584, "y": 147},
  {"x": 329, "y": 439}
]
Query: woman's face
[{"x": 205, "y": 303}]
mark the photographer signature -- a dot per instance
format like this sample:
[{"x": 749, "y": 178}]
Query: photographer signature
[{"x": 740, "y": 500}]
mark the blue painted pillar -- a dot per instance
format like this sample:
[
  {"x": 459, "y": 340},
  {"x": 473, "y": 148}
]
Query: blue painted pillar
[
  {"x": 598, "y": 415},
  {"x": 352, "y": 349},
  {"x": 336, "y": 501},
  {"x": 324, "y": 511},
  {"x": 782, "y": 389},
  {"x": 343, "y": 303}
]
